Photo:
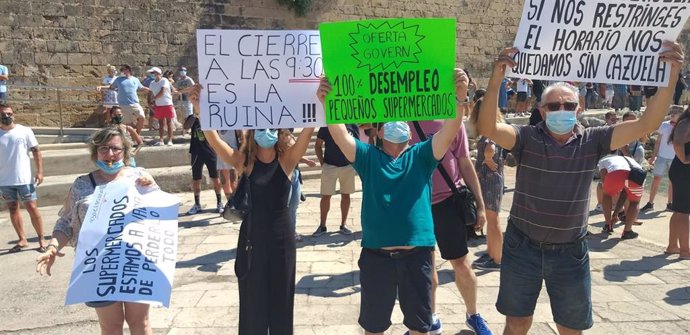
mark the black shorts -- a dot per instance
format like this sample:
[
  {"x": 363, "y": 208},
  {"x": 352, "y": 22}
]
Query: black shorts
[
  {"x": 679, "y": 174},
  {"x": 198, "y": 162},
  {"x": 385, "y": 275},
  {"x": 522, "y": 96},
  {"x": 451, "y": 233}
]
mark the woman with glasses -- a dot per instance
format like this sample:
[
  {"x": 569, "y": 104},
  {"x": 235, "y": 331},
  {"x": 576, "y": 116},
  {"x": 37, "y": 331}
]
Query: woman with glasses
[
  {"x": 111, "y": 152},
  {"x": 265, "y": 264}
]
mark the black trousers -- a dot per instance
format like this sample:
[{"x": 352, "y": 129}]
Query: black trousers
[{"x": 266, "y": 277}]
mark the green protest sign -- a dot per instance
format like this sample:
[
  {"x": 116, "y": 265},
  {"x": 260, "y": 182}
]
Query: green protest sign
[{"x": 389, "y": 70}]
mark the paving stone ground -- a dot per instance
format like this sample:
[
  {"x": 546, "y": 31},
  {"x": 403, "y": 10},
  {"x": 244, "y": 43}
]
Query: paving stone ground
[{"x": 636, "y": 289}]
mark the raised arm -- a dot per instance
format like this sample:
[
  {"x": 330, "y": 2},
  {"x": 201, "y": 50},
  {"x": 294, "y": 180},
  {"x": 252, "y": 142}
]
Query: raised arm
[
  {"x": 444, "y": 137},
  {"x": 293, "y": 155},
  {"x": 657, "y": 106},
  {"x": 341, "y": 137},
  {"x": 222, "y": 149},
  {"x": 503, "y": 134}
]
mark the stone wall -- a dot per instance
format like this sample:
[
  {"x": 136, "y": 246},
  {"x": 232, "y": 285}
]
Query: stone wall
[{"x": 69, "y": 42}]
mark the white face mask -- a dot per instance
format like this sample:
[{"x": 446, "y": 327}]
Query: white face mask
[{"x": 396, "y": 132}]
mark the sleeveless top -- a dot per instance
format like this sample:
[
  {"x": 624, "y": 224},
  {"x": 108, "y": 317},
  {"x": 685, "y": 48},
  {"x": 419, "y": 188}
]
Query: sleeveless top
[{"x": 269, "y": 191}]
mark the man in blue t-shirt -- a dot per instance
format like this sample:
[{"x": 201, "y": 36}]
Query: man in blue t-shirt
[
  {"x": 397, "y": 225},
  {"x": 127, "y": 87}
]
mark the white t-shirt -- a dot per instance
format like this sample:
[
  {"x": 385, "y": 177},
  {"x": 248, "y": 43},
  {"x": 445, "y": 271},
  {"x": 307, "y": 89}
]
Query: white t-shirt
[
  {"x": 665, "y": 149},
  {"x": 522, "y": 85},
  {"x": 15, "y": 162},
  {"x": 157, "y": 86},
  {"x": 616, "y": 163}
]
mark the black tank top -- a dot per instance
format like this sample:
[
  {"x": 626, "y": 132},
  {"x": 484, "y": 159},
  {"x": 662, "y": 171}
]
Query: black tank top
[{"x": 270, "y": 188}]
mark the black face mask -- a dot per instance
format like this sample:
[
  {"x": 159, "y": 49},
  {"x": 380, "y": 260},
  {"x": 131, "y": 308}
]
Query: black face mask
[
  {"x": 7, "y": 120},
  {"x": 117, "y": 119}
]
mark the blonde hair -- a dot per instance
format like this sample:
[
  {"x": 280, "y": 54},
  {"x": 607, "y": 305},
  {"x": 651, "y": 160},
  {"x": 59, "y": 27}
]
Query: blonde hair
[
  {"x": 111, "y": 68},
  {"x": 104, "y": 135}
]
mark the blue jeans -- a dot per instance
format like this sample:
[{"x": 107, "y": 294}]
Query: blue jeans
[
  {"x": 293, "y": 198},
  {"x": 17, "y": 193},
  {"x": 564, "y": 268}
]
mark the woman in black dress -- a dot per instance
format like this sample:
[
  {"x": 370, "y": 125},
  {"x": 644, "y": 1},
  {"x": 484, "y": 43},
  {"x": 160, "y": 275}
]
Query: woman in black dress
[
  {"x": 265, "y": 263},
  {"x": 679, "y": 174}
]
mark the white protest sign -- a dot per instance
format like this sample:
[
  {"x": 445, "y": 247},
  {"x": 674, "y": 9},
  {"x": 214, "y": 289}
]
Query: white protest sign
[
  {"x": 600, "y": 41},
  {"x": 127, "y": 247},
  {"x": 259, "y": 78}
]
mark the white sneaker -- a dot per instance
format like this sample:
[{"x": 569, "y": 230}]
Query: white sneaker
[
  {"x": 158, "y": 144},
  {"x": 170, "y": 144},
  {"x": 194, "y": 210}
]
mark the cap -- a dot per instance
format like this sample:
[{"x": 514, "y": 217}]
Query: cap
[
  {"x": 182, "y": 68},
  {"x": 155, "y": 69}
]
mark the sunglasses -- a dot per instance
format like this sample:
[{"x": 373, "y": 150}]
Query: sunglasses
[{"x": 556, "y": 106}]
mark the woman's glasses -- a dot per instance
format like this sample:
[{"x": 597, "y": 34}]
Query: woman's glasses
[
  {"x": 105, "y": 149},
  {"x": 556, "y": 106}
]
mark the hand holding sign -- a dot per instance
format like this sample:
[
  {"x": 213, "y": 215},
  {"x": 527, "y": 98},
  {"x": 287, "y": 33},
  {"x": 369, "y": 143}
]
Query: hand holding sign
[
  {"x": 673, "y": 53},
  {"x": 462, "y": 82}
]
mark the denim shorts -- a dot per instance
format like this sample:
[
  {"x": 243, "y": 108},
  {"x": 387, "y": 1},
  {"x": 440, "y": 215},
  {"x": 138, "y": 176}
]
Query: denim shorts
[
  {"x": 386, "y": 275},
  {"x": 22, "y": 193},
  {"x": 564, "y": 269}
]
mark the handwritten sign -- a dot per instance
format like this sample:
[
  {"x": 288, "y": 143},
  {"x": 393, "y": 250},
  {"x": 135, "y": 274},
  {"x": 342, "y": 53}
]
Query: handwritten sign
[
  {"x": 127, "y": 247},
  {"x": 602, "y": 41},
  {"x": 259, "y": 78},
  {"x": 389, "y": 70}
]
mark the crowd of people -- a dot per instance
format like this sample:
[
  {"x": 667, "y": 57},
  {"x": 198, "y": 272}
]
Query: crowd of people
[{"x": 413, "y": 176}]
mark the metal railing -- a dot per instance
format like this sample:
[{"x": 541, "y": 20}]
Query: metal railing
[{"x": 58, "y": 91}]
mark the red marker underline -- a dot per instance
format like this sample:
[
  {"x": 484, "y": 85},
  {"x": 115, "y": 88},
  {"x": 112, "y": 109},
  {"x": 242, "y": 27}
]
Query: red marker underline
[{"x": 305, "y": 80}]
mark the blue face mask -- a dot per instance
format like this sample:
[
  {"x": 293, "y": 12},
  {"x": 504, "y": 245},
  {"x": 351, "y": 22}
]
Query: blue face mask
[
  {"x": 110, "y": 169},
  {"x": 183, "y": 73},
  {"x": 561, "y": 122},
  {"x": 266, "y": 138},
  {"x": 396, "y": 132}
]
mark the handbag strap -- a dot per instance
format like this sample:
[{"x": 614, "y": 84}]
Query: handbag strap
[{"x": 440, "y": 167}]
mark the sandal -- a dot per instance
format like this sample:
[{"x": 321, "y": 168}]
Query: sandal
[
  {"x": 42, "y": 249},
  {"x": 16, "y": 248}
]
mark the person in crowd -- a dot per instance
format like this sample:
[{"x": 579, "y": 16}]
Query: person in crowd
[
  {"x": 397, "y": 220},
  {"x": 16, "y": 184},
  {"x": 265, "y": 264},
  {"x": 611, "y": 119},
  {"x": 117, "y": 118},
  {"x": 202, "y": 154},
  {"x": 545, "y": 238},
  {"x": 334, "y": 168},
  {"x": 150, "y": 102},
  {"x": 127, "y": 87},
  {"x": 662, "y": 157},
  {"x": 620, "y": 96},
  {"x": 286, "y": 140},
  {"x": 615, "y": 171},
  {"x": 183, "y": 84},
  {"x": 679, "y": 89},
  {"x": 679, "y": 173},
  {"x": 489, "y": 166},
  {"x": 170, "y": 76},
  {"x": 110, "y": 151},
  {"x": 608, "y": 97},
  {"x": 108, "y": 97},
  {"x": 523, "y": 88},
  {"x": 226, "y": 171},
  {"x": 4, "y": 77},
  {"x": 634, "y": 149},
  {"x": 591, "y": 96},
  {"x": 635, "y": 92},
  {"x": 503, "y": 95},
  {"x": 163, "y": 105},
  {"x": 451, "y": 234}
]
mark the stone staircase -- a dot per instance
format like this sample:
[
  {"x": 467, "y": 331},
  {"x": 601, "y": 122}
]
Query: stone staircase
[{"x": 66, "y": 157}]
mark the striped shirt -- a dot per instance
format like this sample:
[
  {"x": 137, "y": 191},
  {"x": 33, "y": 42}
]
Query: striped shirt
[{"x": 551, "y": 201}]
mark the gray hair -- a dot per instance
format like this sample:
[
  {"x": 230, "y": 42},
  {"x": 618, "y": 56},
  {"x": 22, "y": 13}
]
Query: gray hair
[
  {"x": 104, "y": 135},
  {"x": 563, "y": 85}
]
